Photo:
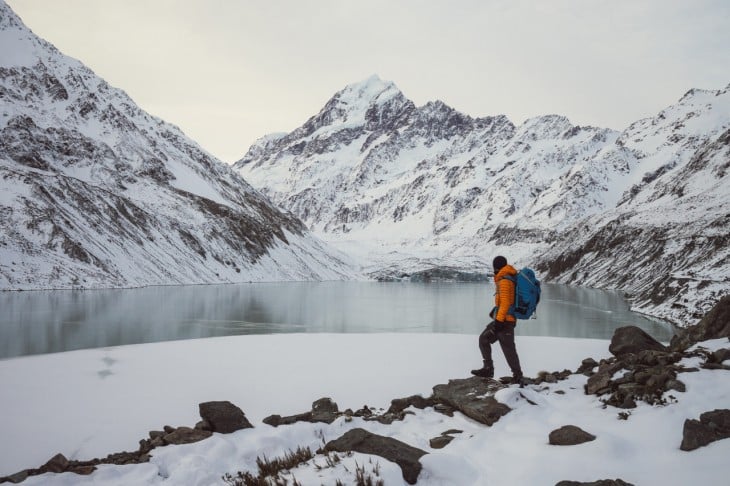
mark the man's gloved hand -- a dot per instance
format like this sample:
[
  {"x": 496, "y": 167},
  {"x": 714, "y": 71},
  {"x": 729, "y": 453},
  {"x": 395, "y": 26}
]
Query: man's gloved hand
[{"x": 492, "y": 312}]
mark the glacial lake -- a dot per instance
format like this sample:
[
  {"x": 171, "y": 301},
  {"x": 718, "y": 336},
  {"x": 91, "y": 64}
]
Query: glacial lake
[{"x": 40, "y": 322}]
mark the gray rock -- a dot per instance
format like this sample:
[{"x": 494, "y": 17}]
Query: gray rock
[
  {"x": 360, "y": 440},
  {"x": 56, "y": 464},
  {"x": 186, "y": 435},
  {"x": 570, "y": 435},
  {"x": 223, "y": 417},
  {"x": 472, "y": 397},
  {"x": 440, "y": 442},
  {"x": 586, "y": 366},
  {"x": 712, "y": 426},
  {"x": 631, "y": 339},
  {"x": 398, "y": 405},
  {"x": 600, "y": 382},
  {"x": 324, "y": 410}
]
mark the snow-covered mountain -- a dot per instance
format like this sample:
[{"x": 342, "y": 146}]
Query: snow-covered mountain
[
  {"x": 96, "y": 192},
  {"x": 409, "y": 187}
]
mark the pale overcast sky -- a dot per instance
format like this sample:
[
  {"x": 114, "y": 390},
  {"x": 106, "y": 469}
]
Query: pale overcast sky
[{"x": 229, "y": 72}]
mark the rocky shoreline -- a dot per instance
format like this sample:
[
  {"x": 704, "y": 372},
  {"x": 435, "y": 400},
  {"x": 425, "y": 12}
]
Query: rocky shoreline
[{"x": 640, "y": 370}]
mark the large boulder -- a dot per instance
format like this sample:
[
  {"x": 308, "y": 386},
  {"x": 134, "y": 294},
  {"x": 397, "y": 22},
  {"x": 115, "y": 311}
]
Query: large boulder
[
  {"x": 360, "y": 440},
  {"x": 631, "y": 339},
  {"x": 570, "y": 435},
  {"x": 711, "y": 426},
  {"x": 472, "y": 397},
  {"x": 223, "y": 417}
]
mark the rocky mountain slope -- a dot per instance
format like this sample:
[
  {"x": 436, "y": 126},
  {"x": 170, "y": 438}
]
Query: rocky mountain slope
[
  {"x": 406, "y": 188},
  {"x": 96, "y": 192}
]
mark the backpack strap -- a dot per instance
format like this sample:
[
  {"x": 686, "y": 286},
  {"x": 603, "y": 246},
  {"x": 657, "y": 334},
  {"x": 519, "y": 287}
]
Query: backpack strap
[{"x": 511, "y": 310}]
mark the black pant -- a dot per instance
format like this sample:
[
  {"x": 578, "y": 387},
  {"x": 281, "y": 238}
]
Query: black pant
[{"x": 504, "y": 332}]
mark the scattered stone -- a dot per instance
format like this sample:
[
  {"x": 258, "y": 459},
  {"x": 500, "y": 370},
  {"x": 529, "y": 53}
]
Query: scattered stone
[
  {"x": 632, "y": 339},
  {"x": 323, "y": 410},
  {"x": 186, "y": 435},
  {"x": 472, "y": 397},
  {"x": 57, "y": 464},
  {"x": 570, "y": 435},
  {"x": 600, "y": 382},
  {"x": 400, "y": 404},
  {"x": 360, "y": 440},
  {"x": 586, "y": 366},
  {"x": 712, "y": 426},
  {"x": 440, "y": 442},
  {"x": 223, "y": 417}
]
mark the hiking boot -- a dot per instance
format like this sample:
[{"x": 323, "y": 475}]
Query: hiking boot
[
  {"x": 486, "y": 371},
  {"x": 519, "y": 380}
]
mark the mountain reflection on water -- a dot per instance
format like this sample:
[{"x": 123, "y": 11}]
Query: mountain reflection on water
[{"x": 53, "y": 321}]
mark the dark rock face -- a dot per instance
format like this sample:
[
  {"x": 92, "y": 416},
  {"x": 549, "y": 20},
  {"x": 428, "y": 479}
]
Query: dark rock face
[
  {"x": 631, "y": 339},
  {"x": 223, "y": 417},
  {"x": 712, "y": 426},
  {"x": 360, "y": 440},
  {"x": 715, "y": 325},
  {"x": 570, "y": 435},
  {"x": 472, "y": 397}
]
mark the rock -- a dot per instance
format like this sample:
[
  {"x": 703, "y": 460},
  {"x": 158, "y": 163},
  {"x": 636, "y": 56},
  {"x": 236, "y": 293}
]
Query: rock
[
  {"x": 715, "y": 324},
  {"x": 224, "y": 417},
  {"x": 720, "y": 355},
  {"x": 400, "y": 404},
  {"x": 712, "y": 426},
  {"x": 600, "y": 482},
  {"x": 570, "y": 435},
  {"x": 600, "y": 382},
  {"x": 360, "y": 440},
  {"x": 472, "y": 397},
  {"x": 677, "y": 385},
  {"x": 324, "y": 410},
  {"x": 631, "y": 339},
  {"x": 186, "y": 435},
  {"x": 56, "y": 464},
  {"x": 18, "y": 477},
  {"x": 586, "y": 366},
  {"x": 440, "y": 442},
  {"x": 444, "y": 439}
]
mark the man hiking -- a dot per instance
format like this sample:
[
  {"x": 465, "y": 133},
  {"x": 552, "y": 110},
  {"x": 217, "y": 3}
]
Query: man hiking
[{"x": 502, "y": 328}]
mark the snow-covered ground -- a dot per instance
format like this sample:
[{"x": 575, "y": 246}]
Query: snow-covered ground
[{"x": 89, "y": 403}]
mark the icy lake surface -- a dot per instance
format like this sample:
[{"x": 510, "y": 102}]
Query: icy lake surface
[{"x": 53, "y": 321}]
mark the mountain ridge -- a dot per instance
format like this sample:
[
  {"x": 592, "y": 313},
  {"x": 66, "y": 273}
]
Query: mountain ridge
[
  {"x": 431, "y": 186},
  {"x": 97, "y": 192}
]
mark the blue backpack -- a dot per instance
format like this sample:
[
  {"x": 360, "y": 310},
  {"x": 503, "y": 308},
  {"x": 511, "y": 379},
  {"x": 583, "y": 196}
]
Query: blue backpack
[{"x": 527, "y": 294}]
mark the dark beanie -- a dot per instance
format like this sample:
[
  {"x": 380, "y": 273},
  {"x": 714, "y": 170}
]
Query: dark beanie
[{"x": 498, "y": 263}]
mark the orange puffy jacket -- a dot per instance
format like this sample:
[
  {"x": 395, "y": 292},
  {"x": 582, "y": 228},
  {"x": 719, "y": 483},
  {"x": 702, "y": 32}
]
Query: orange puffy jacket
[{"x": 504, "y": 297}]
